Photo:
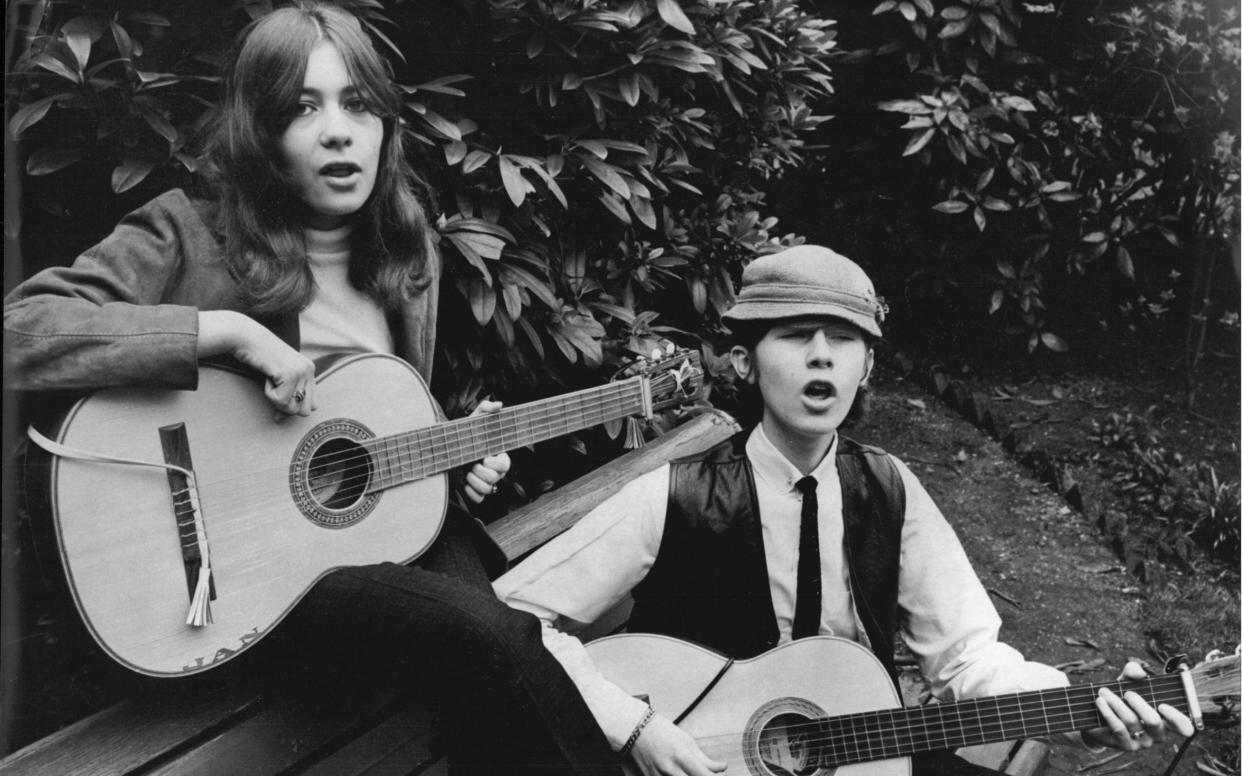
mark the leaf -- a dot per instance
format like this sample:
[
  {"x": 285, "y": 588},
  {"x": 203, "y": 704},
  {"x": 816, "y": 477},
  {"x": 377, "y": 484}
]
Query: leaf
[
  {"x": 951, "y": 206},
  {"x": 1095, "y": 237},
  {"x": 981, "y": 219},
  {"x": 913, "y": 107},
  {"x": 585, "y": 333},
  {"x": 1018, "y": 103},
  {"x": 454, "y": 152},
  {"x": 615, "y": 206},
  {"x": 643, "y": 209},
  {"x": 1053, "y": 342},
  {"x": 45, "y": 161},
  {"x": 511, "y": 177},
  {"x": 953, "y": 13},
  {"x": 670, "y": 11},
  {"x": 156, "y": 120},
  {"x": 954, "y": 29},
  {"x": 56, "y": 58},
  {"x": 1055, "y": 186},
  {"x": 1125, "y": 264},
  {"x": 918, "y": 404},
  {"x": 149, "y": 19},
  {"x": 627, "y": 85},
  {"x": 29, "y": 115},
  {"x": 918, "y": 141},
  {"x": 520, "y": 276},
  {"x": 441, "y": 124},
  {"x": 998, "y": 205},
  {"x": 482, "y": 301},
  {"x": 80, "y": 32},
  {"x": 998, "y": 299},
  {"x": 608, "y": 175},
  {"x": 468, "y": 252},
  {"x": 129, "y": 173},
  {"x": 474, "y": 160},
  {"x": 441, "y": 85}
]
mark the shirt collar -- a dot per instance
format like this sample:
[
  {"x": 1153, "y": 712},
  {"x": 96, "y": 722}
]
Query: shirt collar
[{"x": 774, "y": 468}]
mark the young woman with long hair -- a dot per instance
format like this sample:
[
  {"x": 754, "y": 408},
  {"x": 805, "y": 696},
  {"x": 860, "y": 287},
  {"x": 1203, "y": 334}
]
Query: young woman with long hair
[{"x": 316, "y": 241}]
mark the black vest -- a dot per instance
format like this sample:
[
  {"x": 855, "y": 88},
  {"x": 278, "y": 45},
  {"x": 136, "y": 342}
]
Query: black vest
[{"x": 709, "y": 583}]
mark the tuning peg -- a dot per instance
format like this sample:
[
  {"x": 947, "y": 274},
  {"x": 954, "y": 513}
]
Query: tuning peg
[
  {"x": 670, "y": 348},
  {"x": 656, "y": 354}
]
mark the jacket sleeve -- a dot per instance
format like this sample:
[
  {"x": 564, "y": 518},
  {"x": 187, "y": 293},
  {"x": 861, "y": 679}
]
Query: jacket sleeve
[{"x": 106, "y": 320}]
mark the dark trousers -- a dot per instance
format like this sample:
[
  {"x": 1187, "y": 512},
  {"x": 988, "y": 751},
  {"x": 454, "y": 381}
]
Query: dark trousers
[{"x": 435, "y": 628}]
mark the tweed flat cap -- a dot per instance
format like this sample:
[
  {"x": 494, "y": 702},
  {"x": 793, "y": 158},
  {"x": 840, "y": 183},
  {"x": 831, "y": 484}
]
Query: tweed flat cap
[{"x": 807, "y": 280}]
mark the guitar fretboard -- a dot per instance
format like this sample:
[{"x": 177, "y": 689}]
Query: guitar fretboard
[
  {"x": 881, "y": 735},
  {"x": 413, "y": 455}
]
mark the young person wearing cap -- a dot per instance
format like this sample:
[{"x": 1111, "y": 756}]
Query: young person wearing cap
[{"x": 711, "y": 547}]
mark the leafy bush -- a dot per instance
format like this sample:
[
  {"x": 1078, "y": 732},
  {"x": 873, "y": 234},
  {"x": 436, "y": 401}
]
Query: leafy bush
[
  {"x": 1045, "y": 167},
  {"x": 605, "y": 168},
  {"x": 1188, "y": 499}
]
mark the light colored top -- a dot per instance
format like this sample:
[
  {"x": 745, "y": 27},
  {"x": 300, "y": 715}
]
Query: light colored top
[
  {"x": 340, "y": 318},
  {"x": 948, "y": 620}
]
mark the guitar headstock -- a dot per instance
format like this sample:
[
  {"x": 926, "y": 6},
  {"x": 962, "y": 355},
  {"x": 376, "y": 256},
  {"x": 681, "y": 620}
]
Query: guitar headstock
[
  {"x": 673, "y": 375},
  {"x": 1218, "y": 683}
]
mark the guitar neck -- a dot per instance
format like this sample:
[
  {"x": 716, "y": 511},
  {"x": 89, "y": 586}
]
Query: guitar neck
[
  {"x": 881, "y": 735},
  {"x": 417, "y": 454}
]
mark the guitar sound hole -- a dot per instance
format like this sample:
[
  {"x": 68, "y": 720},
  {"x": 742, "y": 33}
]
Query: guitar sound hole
[
  {"x": 339, "y": 472},
  {"x": 785, "y": 747}
]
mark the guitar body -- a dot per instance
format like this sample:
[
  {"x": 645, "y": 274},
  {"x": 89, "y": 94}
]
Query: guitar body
[
  {"x": 272, "y": 530},
  {"x": 744, "y": 718}
]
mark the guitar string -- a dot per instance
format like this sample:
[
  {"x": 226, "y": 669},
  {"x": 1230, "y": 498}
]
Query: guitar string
[
  {"x": 547, "y": 416},
  {"x": 823, "y": 747},
  {"x": 989, "y": 730},
  {"x": 540, "y": 420},
  {"x": 245, "y": 494},
  {"x": 541, "y": 417}
]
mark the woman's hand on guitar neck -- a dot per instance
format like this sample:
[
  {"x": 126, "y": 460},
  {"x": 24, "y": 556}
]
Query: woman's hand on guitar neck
[
  {"x": 663, "y": 749},
  {"x": 1131, "y": 722},
  {"x": 484, "y": 477},
  {"x": 290, "y": 385}
]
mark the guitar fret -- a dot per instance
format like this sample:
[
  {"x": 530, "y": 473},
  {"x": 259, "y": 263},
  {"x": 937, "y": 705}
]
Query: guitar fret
[
  {"x": 414, "y": 455},
  {"x": 885, "y": 734}
]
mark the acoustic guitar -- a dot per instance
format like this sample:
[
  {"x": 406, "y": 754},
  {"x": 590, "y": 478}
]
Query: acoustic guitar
[
  {"x": 190, "y": 523},
  {"x": 820, "y": 704}
]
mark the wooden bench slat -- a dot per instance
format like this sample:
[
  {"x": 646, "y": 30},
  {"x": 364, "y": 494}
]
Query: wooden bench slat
[
  {"x": 127, "y": 736},
  {"x": 398, "y": 746},
  {"x": 287, "y": 731}
]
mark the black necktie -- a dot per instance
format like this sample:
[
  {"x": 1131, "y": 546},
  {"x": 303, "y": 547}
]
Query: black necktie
[{"x": 806, "y": 612}]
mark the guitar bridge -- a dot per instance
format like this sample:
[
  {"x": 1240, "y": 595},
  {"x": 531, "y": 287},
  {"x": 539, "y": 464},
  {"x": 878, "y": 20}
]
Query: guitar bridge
[{"x": 176, "y": 445}]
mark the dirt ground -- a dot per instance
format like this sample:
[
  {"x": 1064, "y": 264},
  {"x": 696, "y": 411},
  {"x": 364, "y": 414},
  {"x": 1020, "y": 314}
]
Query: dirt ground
[{"x": 1064, "y": 594}]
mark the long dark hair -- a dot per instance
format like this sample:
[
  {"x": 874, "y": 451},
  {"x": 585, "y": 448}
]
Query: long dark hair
[{"x": 260, "y": 214}]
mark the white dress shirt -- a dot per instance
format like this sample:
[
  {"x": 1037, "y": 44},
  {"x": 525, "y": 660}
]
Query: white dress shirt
[{"x": 947, "y": 619}]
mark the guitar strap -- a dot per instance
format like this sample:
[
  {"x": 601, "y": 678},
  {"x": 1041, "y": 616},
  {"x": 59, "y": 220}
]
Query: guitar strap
[
  {"x": 694, "y": 703},
  {"x": 200, "y": 603},
  {"x": 78, "y": 454}
]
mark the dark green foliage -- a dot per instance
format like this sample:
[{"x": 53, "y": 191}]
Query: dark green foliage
[{"x": 1018, "y": 171}]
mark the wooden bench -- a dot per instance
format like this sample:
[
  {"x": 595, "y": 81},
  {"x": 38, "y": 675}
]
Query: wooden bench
[{"x": 216, "y": 723}]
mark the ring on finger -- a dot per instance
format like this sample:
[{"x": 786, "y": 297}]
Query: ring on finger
[
  {"x": 1137, "y": 734},
  {"x": 298, "y": 396}
]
